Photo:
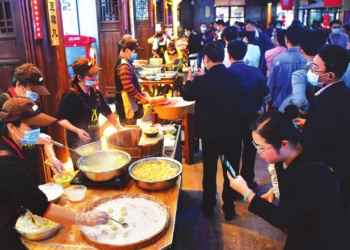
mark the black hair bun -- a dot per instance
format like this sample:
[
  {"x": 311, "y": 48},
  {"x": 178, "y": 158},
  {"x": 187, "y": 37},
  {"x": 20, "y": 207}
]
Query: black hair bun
[{"x": 291, "y": 112}]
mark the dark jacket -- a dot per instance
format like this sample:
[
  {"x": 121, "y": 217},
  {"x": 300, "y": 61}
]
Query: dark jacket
[
  {"x": 309, "y": 207},
  {"x": 217, "y": 95},
  {"x": 194, "y": 45},
  {"x": 254, "y": 87},
  {"x": 327, "y": 128},
  {"x": 264, "y": 42}
]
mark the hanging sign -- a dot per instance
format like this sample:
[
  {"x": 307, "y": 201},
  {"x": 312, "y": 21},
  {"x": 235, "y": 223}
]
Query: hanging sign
[
  {"x": 36, "y": 14},
  {"x": 332, "y": 3},
  {"x": 52, "y": 20},
  {"x": 287, "y": 4}
]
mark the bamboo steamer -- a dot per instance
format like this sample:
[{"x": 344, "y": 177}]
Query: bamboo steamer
[
  {"x": 128, "y": 141},
  {"x": 175, "y": 110},
  {"x": 138, "y": 244}
]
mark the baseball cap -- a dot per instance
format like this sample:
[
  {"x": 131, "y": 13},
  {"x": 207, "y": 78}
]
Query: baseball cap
[
  {"x": 25, "y": 110},
  {"x": 31, "y": 75},
  {"x": 83, "y": 66},
  {"x": 132, "y": 45}
]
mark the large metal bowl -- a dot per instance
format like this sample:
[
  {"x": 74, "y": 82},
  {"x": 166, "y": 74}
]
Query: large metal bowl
[
  {"x": 103, "y": 175},
  {"x": 43, "y": 235},
  {"x": 156, "y": 185}
]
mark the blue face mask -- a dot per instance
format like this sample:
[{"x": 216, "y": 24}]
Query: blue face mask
[
  {"x": 133, "y": 57},
  {"x": 30, "y": 137},
  {"x": 89, "y": 83},
  {"x": 32, "y": 95}
]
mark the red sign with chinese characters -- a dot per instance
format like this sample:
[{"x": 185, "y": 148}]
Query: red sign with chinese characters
[
  {"x": 332, "y": 3},
  {"x": 38, "y": 29},
  {"x": 286, "y": 4}
]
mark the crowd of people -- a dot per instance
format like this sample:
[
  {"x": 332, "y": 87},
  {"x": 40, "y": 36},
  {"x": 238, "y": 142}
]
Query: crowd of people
[
  {"x": 290, "y": 107},
  {"x": 282, "y": 94}
]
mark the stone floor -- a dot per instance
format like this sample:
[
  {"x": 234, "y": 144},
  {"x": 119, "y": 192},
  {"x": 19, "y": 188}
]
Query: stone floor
[{"x": 193, "y": 230}]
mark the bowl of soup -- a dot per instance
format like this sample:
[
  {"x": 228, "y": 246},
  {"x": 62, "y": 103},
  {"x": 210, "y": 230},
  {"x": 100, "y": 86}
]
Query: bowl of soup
[
  {"x": 155, "y": 173},
  {"x": 104, "y": 165}
]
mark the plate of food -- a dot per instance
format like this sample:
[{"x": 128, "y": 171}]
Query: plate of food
[{"x": 147, "y": 218}]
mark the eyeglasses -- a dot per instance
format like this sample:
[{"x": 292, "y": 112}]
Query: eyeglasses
[
  {"x": 260, "y": 151},
  {"x": 312, "y": 65}
]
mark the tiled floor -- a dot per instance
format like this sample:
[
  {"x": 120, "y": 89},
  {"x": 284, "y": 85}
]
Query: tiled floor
[{"x": 193, "y": 230}]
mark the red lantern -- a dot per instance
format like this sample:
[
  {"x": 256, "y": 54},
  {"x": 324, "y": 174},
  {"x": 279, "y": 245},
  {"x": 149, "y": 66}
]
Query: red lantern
[
  {"x": 326, "y": 23},
  {"x": 286, "y": 4},
  {"x": 283, "y": 17},
  {"x": 326, "y": 17},
  {"x": 283, "y": 21}
]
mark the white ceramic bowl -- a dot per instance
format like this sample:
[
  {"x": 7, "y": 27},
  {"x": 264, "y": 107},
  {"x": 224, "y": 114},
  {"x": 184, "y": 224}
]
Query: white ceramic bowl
[
  {"x": 150, "y": 78},
  {"x": 52, "y": 191},
  {"x": 75, "y": 192}
]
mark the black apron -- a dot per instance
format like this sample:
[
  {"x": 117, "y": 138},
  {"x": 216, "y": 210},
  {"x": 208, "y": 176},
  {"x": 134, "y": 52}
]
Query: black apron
[
  {"x": 10, "y": 211},
  {"x": 88, "y": 121},
  {"x": 161, "y": 50}
]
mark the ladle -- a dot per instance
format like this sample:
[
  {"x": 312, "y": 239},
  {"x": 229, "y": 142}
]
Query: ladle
[
  {"x": 61, "y": 145},
  {"x": 124, "y": 224}
]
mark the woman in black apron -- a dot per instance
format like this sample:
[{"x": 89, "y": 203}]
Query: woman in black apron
[
  {"x": 80, "y": 107},
  {"x": 21, "y": 118}
]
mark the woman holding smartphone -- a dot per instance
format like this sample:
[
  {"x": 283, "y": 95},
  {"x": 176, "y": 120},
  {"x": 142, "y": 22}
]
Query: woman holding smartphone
[{"x": 309, "y": 210}]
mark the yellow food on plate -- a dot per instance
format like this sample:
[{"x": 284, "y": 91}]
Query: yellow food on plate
[
  {"x": 157, "y": 170},
  {"x": 151, "y": 130}
]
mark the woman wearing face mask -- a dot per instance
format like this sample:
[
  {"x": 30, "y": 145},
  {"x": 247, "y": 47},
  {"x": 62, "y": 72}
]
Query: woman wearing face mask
[
  {"x": 21, "y": 118},
  {"x": 28, "y": 82},
  {"x": 81, "y": 105},
  {"x": 309, "y": 208},
  {"x": 173, "y": 56},
  {"x": 129, "y": 99}
]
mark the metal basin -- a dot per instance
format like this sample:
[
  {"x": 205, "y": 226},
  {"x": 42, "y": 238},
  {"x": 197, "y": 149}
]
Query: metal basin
[
  {"x": 94, "y": 166},
  {"x": 159, "y": 184}
]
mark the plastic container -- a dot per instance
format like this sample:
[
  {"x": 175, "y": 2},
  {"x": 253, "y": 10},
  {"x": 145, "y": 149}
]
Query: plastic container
[
  {"x": 64, "y": 178},
  {"x": 76, "y": 192}
]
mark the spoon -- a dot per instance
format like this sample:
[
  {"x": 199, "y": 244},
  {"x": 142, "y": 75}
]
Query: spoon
[{"x": 124, "y": 224}]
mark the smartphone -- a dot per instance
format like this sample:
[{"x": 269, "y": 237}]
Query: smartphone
[
  {"x": 228, "y": 166},
  {"x": 193, "y": 65}
]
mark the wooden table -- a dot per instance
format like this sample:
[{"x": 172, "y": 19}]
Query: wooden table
[
  {"x": 69, "y": 237},
  {"x": 167, "y": 82}
]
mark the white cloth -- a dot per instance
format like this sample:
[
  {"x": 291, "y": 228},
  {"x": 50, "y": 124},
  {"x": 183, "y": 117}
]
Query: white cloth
[
  {"x": 274, "y": 181},
  {"x": 253, "y": 55},
  {"x": 226, "y": 61},
  {"x": 155, "y": 43}
]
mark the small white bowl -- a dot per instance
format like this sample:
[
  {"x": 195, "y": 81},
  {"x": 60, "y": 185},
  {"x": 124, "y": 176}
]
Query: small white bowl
[
  {"x": 75, "y": 192},
  {"x": 150, "y": 78}
]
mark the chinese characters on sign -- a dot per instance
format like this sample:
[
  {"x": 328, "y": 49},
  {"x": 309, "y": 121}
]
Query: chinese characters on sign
[
  {"x": 53, "y": 28},
  {"x": 37, "y": 20}
]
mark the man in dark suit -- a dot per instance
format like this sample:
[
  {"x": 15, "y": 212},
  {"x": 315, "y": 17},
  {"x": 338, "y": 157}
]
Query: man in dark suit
[
  {"x": 327, "y": 127},
  {"x": 263, "y": 41},
  {"x": 254, "y": 89},
  {"x": 217, "y": 95}
]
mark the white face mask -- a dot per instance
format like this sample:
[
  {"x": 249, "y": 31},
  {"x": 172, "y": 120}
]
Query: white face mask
[
  {"x": 336, "y": 31},
  {"x": 313, "y": 79},
  {"x": 203, "y": 30}
]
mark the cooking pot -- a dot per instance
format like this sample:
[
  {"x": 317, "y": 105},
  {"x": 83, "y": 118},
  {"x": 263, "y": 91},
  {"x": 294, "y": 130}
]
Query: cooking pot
[{"x": 104, "y": 165}]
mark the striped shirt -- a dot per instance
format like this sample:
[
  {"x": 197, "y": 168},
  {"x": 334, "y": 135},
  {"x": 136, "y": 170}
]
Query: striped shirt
[{"x": 125, "y": 76}]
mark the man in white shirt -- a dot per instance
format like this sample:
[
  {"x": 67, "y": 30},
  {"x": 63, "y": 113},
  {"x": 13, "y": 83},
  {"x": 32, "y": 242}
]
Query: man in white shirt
[
  {"x": 253, "y": 52},
  {"x": 160, "y": 45}
]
